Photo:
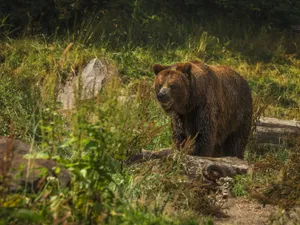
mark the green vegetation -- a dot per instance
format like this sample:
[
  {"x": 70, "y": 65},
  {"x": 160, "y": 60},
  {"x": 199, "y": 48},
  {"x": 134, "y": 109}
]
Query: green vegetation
[{"x": 93, "y": 140}]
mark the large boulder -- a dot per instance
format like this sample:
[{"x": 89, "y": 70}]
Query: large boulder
[
  {"x": 21, "y": 169},
  {"x": 87, "y": 85}
]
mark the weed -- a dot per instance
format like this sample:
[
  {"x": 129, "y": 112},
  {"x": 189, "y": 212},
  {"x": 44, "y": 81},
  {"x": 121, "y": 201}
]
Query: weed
[{"x": 93, "y": 139}]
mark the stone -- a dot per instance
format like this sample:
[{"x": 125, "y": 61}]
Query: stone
[
  {"x": 21, "y": 171},
  {"x": 87, "y": 85}
]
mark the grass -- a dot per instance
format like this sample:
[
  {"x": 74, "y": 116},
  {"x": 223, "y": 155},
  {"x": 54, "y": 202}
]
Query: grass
[{"x": 93, "y": 140}]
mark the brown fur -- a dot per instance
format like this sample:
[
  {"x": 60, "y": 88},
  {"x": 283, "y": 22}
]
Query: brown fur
[{"x": 212, "y": 104}]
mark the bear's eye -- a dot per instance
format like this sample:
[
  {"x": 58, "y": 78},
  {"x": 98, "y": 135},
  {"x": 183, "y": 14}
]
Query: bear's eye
[
  {"x": 172, "y": 86},
  {"x": 159, "y": 86}
]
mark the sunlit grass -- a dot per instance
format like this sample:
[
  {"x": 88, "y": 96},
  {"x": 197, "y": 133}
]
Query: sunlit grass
[{"x": 33, "y": 68}]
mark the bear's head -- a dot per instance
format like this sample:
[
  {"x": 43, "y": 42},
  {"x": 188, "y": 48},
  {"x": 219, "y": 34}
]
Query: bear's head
[{"x": 173, "y": 86}]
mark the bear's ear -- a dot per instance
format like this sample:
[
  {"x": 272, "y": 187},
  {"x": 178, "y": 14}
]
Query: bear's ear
[
  {"x": 185, "y": 68},
  {"x": 188, "y": 68},
  {"x": 157, "y": 68}
]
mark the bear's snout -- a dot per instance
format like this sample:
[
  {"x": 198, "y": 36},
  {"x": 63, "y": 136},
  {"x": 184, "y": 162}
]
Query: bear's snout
[{"x": 163, "y": 95}]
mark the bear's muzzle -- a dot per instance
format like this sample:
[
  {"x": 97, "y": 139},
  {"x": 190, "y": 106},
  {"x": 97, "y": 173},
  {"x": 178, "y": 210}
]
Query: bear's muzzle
[{"x": 164, "y": 95}]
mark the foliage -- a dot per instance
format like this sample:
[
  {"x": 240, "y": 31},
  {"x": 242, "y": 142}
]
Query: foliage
[
  {"x": 162, "y": 185},
  {"x": 94, "y": 139},
  {"x": 16, "y": 107},
  {"x": 281, "y": 12},
  {"x": 92, "y": 149},
  {"x": 46, "y": 15},
  {"x": 280, "y": 183},
  {"x": 240, "y": 185}
]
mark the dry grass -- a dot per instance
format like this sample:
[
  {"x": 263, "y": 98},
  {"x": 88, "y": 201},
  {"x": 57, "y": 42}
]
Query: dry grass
[
  {"x": 276, "y": 181},
  {"x": 164, "y": 182}
]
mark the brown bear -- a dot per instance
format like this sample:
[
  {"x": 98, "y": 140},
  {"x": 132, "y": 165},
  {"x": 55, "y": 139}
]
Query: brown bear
[{"x": 211, "y": 104}]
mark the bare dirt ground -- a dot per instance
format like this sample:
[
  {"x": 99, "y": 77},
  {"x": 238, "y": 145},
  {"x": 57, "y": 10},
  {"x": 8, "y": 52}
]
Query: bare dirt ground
[{"x": 243, "y": 211}]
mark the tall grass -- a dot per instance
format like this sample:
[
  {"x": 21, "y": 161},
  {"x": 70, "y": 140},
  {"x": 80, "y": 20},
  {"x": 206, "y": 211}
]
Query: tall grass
[{"x": 92, "y": 139}]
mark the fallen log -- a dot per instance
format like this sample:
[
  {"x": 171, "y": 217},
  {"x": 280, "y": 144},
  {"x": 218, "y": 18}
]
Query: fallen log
[
  {"x": 275, "y": 131},
  {"x": 268, "y": 131},
  {"x": 208, "y": 168}
]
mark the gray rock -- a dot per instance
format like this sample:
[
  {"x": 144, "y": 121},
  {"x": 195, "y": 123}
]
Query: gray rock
[
  {"x": 87, "y": 85},
  {"x": 67, "y": 94},
  {"x": 21, "y": 171},
  {"x": 92, "y": 77}
]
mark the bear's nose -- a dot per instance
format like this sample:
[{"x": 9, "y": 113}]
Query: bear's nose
[{"x": 162, "y": 97}]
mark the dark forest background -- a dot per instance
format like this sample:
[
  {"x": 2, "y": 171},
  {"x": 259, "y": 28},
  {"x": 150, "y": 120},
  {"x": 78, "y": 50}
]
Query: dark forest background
[{"x": 46, "y": 15}]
